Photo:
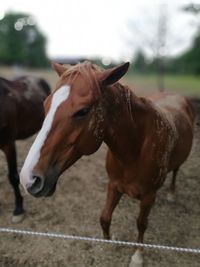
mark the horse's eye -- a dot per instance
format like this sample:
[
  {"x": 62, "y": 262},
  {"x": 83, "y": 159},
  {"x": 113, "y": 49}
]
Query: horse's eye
[{"x": 81, "y": 113}]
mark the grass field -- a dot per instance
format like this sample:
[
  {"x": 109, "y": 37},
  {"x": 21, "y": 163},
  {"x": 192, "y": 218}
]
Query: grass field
[
  {"x": 183, "y": 84},
  {"x": 141, "y": 84}
]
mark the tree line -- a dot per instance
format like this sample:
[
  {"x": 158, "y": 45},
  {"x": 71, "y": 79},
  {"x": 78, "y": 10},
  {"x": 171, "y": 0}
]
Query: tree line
[
  {"x": 188, "y": 62},
  {"x": 21, "y": 42}
]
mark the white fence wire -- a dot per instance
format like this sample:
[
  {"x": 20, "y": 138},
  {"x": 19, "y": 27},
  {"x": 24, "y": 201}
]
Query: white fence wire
[{"x": 98, "y": 240}]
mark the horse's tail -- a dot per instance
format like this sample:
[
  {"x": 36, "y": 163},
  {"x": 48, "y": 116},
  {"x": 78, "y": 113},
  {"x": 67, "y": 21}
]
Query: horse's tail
[
  {"x": 196, "y": 110},
  {"x": 45, "y": 86},
  {"x": 191, "y": 109}
]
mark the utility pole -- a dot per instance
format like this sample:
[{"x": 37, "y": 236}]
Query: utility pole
[{"x": 161, "y": 46}]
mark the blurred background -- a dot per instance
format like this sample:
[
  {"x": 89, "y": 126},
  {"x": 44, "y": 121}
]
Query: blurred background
[{"x": 161, "y": 39}]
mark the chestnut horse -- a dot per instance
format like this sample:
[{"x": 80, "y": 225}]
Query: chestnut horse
[
  {"x": 21, "y": 115},
  {"x": 146, "y": 138}
]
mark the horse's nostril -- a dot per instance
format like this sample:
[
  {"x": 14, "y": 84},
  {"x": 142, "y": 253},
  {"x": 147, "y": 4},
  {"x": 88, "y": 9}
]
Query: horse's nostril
[
  {"x": 37, "y": 181},
  {"x": 36, "y": 186}
]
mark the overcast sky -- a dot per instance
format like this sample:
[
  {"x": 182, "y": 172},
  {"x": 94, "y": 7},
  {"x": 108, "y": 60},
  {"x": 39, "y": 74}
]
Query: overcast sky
[{"x": 106, "y": 28}]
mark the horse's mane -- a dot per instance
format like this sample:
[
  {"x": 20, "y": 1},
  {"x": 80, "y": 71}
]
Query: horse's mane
[
  {"x": 4, "y": 80},
  {"x": 86, "y": 69},
  {"x": 81, "y": 68},
  {"x": 5, "y": 85}
]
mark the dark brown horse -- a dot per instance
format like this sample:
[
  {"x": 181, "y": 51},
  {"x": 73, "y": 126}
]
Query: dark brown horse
[
  {"x": 147, "y": 138},
  {"x": 21, "y": 115}
]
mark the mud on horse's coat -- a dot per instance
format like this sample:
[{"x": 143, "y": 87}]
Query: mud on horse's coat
[
  {"x": 146, "y": 138},
  {"x": 21, "y": 115}
]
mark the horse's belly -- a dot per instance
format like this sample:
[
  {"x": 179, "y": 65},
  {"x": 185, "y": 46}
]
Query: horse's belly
[
  {"x": 29, "y": 123},
  {"x": 182, "y": 148},
  {"x": 179, "y": 114},
  {"x": 28, "y": 131}
]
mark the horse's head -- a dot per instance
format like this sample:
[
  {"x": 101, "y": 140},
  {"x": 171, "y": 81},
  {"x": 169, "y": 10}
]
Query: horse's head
[{"x": 74, "y": 125}]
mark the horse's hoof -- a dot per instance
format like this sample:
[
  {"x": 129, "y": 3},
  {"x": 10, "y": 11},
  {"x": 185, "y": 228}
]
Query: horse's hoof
[
  {"x": 137, "y": 259},
  {"x": 106, "y": 236},
  {"x": 113, "y": 237},
  {"x": 170, "y": 197},
  {"x": 18, "y": 218}
]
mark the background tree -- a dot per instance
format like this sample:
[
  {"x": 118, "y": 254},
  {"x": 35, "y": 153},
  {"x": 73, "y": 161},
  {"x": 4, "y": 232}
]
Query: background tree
[
  {"x": 192, "y": 8},
  {"x": 139, "y": 62},
  {"x": 21, "y": 42},
  {"x": 190, "y": 60},
  {"x": 154, "y": 42}
]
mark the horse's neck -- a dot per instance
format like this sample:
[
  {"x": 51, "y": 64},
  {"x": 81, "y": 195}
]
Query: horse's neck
[{"x": 127, "y": 117}]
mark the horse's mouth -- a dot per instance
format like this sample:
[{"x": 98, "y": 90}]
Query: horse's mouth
[
  {"x": 51, "y": 192},
  {"x": 45, "y": 193},
  {"x": 45, "y": 186}
]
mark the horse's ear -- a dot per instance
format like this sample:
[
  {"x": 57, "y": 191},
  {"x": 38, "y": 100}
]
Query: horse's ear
[
  {"x": 60, "y": 69},
  {"x": 111, "y": 76}
]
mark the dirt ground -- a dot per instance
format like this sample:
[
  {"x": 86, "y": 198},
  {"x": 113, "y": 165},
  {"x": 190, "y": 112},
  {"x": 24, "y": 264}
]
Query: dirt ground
[{"x": 75, "y": 208}]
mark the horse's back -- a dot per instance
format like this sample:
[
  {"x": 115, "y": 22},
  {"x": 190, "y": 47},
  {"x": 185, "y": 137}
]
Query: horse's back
[
  {"x": 25, "y": 88},
  {"x": 33, "y": 92},
  {"x": 31, "y": 88},
  {"x": 22, "y": 106},
  {"x": 181, "y": 114}
]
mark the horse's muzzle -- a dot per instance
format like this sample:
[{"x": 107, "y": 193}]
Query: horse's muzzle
[
  {"x": 41, "y": 187},
  {"x": 36, "y": 187}
]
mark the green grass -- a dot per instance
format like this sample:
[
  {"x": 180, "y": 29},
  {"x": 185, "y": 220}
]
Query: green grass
[
  {"x": 142, "y": 84},
  {"x": 183, "y": 84}
]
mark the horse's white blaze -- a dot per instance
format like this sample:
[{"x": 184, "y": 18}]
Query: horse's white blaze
[{"x": 33, "y": 156}]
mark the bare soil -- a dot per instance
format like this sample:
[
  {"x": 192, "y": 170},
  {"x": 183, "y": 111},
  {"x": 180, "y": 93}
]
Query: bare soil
[{"x": 75, "y": 209}]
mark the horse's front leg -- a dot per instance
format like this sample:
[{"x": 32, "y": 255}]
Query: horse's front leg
[
  {"x": 10, "y": 152},
  {"x": 142, "y": 221},
  {"x": 113, "y": 197}
]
